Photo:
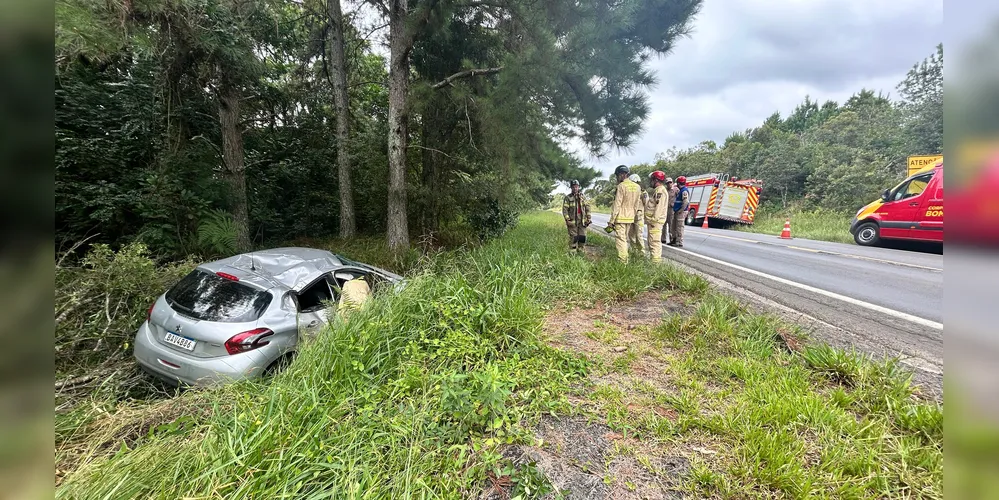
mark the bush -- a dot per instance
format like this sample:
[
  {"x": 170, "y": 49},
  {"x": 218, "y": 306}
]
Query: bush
[
  {"x": 491, "y": 221},
  {"x": 101, "y": 301}
]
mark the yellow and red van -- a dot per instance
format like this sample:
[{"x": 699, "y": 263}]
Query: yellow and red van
[{"x": 912, "y": 210}]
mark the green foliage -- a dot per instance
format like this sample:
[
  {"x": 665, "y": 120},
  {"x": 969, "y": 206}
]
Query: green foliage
[
  {"x": 217, "y": 233},
  {"x": 100, "y": 303},
  {"x": 410, "y": 396},
  {"x": 817, "y": 423},
  {"x": 491, "y": 221},
  {"x": 816, "y": 224},
  {"x": 922, "y": 99}
]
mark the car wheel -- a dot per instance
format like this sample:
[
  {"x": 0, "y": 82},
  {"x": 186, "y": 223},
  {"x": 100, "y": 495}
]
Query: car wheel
[
  {"x": 868, "y": 234},
  {"x": 279, "y": 364},
  {"x": 691, "y": 217}
]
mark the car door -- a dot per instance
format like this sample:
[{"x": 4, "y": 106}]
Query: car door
[
  {"x": 929, "y": 223},
  {"x": 313, "y": 302},
  {"x": 900, "y": 212}
]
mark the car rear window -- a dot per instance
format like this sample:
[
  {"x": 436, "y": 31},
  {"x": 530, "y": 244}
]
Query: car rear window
[{"x": 205, "y": 296}]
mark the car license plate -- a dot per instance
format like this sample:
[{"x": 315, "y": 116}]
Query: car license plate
[{"x": 177, "y": 340}]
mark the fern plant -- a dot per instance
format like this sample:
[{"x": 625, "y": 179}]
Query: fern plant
[{"x": 217, "y": 233}]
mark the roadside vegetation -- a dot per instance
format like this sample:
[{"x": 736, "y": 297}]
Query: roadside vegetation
[
  {"x": 817, "y": 224},
  {"x": 426, "y": 392}
]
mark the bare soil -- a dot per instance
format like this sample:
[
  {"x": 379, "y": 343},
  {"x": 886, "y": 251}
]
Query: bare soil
[{"x": 580, "y": 454}]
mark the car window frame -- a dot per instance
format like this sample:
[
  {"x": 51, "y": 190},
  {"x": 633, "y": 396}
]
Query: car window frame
[
  {"x": 334, "y": 291},
  {"x": 905, "y": 185}
]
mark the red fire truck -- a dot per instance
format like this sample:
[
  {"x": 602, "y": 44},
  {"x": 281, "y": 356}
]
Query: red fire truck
[{"x": 723, "y": 198}]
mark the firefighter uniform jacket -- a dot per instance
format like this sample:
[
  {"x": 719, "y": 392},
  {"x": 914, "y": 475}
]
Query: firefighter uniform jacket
[
  {"x": 657, "y": 207},
  {"x": 576, "y": 208},
  {"x": 627, "y": 203}
]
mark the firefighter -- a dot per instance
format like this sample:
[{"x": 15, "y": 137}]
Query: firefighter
[
  {"x": 655, "y": 214},
  {"x": 671, "y": 191},
  {"x": 576, "y": 211},
  {"x": 626, "y": 206},
  {"x": 636, "y": 233},
  {"x": 681, "y": 203}
]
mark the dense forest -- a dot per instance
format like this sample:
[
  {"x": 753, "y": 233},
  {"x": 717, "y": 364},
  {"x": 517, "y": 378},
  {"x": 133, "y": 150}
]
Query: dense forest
[
  {"x": 823, "y": 156},
  {"x": 212, "y": 126}
]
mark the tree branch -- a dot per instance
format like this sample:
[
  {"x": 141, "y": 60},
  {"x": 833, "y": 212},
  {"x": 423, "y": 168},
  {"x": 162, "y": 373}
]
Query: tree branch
[
  {"x": 466, "y": 74},
  {"x": 417, "y": 146},
  {"x": 358, "y": 84}
]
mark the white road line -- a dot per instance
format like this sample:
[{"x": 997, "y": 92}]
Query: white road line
[
  {"x": 827, "y": 252},
  {"x": 844, "y": 298}
]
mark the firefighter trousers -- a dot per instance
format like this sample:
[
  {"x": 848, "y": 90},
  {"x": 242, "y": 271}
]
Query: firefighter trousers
[
  {"x": 621, "y": 240},
  {"x": 676, "y": 227},
  {"x": 575, "y": 229},
  {"x": 655, "y": 242}
]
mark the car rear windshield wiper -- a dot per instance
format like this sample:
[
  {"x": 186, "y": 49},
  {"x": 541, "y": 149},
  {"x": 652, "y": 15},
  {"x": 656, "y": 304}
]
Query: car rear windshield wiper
[{"x": 174, "y": 304}]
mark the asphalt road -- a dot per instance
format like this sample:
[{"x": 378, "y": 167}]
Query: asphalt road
[{"x": 880, "y": 300}]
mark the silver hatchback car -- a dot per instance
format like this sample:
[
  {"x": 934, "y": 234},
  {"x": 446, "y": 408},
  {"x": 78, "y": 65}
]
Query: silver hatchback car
[{"x": 241, "y": 317}]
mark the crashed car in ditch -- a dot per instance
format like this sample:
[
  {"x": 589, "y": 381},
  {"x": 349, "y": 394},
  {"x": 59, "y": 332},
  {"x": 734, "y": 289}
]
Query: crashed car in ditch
[{"x": 243, "y": 316}]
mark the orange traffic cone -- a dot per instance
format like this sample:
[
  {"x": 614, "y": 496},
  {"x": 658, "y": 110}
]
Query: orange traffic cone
[
  {"x": 786, "y": 233},
  {"x": 704, "y": 225}
]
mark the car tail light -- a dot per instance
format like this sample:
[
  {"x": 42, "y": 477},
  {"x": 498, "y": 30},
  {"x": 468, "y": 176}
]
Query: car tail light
[
  {"x": 227, "y": 276},
  {"x": 248, "y": 341},
  {"x": 149, "y": 313}
]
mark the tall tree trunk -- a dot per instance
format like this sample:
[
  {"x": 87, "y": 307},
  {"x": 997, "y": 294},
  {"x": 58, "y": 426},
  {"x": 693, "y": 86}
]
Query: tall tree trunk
[
  {"x": 232, "y": 158},
  {"x": 339, "y": 63},
  {"x": 400, "y": 46}
]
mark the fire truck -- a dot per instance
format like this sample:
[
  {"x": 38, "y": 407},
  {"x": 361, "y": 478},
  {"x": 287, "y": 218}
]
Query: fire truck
[{"x": 722, "y": 198}]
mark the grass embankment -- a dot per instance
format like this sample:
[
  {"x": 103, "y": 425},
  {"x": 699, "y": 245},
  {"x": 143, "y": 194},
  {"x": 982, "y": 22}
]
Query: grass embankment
[
  {"x": 418, "y": 394},
  {"x": 411, "y": 395},
  {"x": 821, "y": 225},
  {"x": 751, "y": 410}
]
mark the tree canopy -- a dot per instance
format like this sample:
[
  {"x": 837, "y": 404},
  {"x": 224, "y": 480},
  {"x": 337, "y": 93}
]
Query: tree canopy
[{"x": 209, "y": 126}]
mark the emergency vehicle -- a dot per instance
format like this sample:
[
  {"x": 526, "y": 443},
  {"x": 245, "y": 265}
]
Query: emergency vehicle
[
  {"x": 912, "y": 210},
  {"x": 720, "y": 197}
]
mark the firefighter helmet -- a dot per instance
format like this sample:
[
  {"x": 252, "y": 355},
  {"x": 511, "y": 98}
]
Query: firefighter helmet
[
  {"x": 658, "y": 175},
  {"x": 573, "y": 182},
  {"x": 681, "y": 180},
  {"x": 622, "y": 169}
]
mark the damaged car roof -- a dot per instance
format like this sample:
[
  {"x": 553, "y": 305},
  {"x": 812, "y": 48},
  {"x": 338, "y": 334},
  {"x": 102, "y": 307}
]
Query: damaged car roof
[{"x": 293, "y": 267}]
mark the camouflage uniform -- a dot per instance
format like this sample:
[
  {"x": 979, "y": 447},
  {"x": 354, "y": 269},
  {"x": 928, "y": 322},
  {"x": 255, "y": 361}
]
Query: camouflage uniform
[
  {"x": 627, "y": 206},
  {"x": 655, "y": 217},
  {"x": 576, "y": 212}
]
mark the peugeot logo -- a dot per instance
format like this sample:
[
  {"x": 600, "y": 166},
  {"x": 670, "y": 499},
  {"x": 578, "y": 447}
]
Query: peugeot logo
[{"x": 179, "y": 328}]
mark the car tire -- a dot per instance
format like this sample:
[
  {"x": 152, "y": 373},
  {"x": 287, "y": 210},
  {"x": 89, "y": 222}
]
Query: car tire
[
  {"x": 691, "y": 218},
  {"x": 868, "y": 234},
  {"x": 279, "y": 364}
]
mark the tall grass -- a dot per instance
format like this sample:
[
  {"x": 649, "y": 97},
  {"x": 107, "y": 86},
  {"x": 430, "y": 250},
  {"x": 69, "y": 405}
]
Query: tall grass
[
  {"x": 819, "y": 423},
  {"x": 406, "y": 398},
  {"x": 816, "y": 224}
]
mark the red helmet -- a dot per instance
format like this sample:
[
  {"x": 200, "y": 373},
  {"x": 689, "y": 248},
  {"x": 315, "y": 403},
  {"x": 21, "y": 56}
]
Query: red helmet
[
  {"x": 658, "y": 175},
  {"x": 681, "y": 180}
]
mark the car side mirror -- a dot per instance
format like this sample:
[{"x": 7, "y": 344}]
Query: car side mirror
[{"x": 885, "y": 195}]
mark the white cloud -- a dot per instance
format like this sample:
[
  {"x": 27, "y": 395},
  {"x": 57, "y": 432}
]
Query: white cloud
[{"x": 749, "y": 58}]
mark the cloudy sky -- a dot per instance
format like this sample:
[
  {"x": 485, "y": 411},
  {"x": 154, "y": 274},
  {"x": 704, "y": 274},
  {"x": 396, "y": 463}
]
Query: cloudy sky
[{"x": 749, "y": 58}]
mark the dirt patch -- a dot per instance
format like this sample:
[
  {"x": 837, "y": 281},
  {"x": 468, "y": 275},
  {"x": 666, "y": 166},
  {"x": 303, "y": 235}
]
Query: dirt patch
[
  {"x": 586, "y": 458},
  {"x": 583, "y": 460},
  {"x": 569, "y": 329}
]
